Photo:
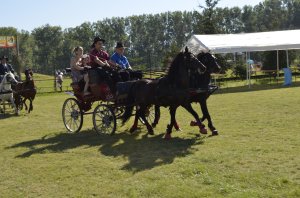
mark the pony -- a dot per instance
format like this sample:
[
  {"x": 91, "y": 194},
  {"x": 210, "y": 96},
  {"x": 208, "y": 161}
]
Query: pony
[
  {"x": 199, "y": 92},
  {"x": 6, "y": 92},
  {"x": 25, "y": 91},
  {"x": 169, "y": 91}
]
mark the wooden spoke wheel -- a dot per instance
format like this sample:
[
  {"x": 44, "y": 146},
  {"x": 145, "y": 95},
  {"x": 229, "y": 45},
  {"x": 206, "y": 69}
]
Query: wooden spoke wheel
[
  {"x": 72, "y": 115},
  {"x": 104, "y": 119}
]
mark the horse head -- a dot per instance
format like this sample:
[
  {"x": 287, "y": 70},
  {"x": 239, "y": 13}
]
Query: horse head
[
  {"x": 28, "y": 74},
  {"x": 209, "y": 61},
  {"x": 192, "y": 62},
  {"x": 182, "y": 66},
  {"x": 9, "y": 78}
]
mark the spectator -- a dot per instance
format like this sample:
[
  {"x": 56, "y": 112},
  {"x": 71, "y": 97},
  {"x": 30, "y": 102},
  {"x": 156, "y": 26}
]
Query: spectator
[{"x": 5, "y": 67}]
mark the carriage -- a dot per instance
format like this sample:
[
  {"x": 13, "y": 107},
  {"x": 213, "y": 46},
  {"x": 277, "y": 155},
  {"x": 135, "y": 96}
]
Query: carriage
[
  {"x": 17, "y": 92},
  {"x": 109, "y": 105}
]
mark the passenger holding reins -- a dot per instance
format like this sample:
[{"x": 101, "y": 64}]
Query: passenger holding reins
[
  {"x": 121, "y": 62},
  {"x": 100, "y": 60}
]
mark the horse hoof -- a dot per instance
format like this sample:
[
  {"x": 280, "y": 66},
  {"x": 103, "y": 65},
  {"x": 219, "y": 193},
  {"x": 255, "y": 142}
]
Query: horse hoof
[
  {"x": 167, "y": 136},
  {"x": 203, "y": 130},
  {"x": 178, "y": 129},
  {"x": 132, "y": 129},
  {"x": 214, "y": 132},
  {"x": 193, "y": 123},
  {"x": 151, "y": 132}
]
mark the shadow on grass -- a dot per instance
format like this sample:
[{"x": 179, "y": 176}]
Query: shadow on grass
[
  {"x": 7, "y": 115},
  {"x": 142, "y": 151}
]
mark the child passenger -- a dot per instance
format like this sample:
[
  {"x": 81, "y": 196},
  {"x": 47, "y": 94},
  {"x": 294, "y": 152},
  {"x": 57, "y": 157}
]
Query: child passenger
[{"x": 79, "y": 67}]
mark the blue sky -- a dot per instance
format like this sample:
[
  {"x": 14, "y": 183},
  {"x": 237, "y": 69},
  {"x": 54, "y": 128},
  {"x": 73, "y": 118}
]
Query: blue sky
[{"x": 30, "y": 14}]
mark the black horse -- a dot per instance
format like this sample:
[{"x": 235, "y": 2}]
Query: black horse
[
  {"x": 171, "y": 91},
  {"x": 199, "y": 92}
]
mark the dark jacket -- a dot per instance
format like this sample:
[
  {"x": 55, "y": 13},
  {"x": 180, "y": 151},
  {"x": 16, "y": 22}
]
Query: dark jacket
[{"x": 5, "y": 69}]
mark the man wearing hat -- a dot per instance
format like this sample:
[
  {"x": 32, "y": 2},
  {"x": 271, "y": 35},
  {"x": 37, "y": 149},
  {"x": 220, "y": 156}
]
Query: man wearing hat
[
  {"x": 98, "y": 56},
  {"x": 122, "y": 63},
  {"x": 100, "y": 61},
  {"x": 5, "y": 67}
]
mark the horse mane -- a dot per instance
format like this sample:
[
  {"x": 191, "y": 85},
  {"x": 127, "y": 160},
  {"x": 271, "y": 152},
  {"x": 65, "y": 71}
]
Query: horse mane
[{"x": 173, "y": 69}]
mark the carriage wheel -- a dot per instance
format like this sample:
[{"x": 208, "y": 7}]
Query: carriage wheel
[
  {"x": 72, "y": 115},
  {"x": 104, "y": 119},
  {"x": 150, "y": 114},
  {"x": 118, "y": 111}
]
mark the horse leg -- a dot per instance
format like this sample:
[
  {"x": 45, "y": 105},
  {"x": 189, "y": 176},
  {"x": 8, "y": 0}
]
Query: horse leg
[
  {"x": 201, "y": 98},
  {"x": 142, "y": 114},
  {"x": 14, "y": 105},
  {"x": 205, "y": 112},
  {"x": 136, "y": 118},
  {"x": 176, "y": 126},
  {"x": 189, "y": 108},
  {"x": 24, "y": 100},
  {"x": 170, "y": 126},
  {"x": 156, "y": 115},
  {"x": 30, "y": 105}
]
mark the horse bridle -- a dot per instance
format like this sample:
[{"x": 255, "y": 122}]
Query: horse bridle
[{"x": 198, "y": 69}]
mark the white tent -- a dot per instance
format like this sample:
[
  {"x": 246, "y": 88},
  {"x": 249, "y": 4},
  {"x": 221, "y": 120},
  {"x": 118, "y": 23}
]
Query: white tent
[{"x": 245, "y": 42}]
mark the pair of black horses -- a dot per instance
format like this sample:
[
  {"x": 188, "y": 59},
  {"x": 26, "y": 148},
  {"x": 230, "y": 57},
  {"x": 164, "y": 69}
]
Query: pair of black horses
[{"x": 174, "y": 90}]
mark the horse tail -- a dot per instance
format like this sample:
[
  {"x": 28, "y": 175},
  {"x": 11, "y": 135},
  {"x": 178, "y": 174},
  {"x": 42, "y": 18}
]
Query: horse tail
[{"x": 130, "y": 103}]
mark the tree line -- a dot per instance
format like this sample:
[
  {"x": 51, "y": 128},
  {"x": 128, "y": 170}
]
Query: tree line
[{"x": 152, "y": 38}]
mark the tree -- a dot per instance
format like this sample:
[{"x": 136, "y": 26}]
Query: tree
[
  {"x": 209, "y": 21},
  {"x": 48, "y": 41}
]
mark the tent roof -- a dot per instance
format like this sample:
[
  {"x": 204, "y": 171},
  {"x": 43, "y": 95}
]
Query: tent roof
[{"x": 245, "y": 42}]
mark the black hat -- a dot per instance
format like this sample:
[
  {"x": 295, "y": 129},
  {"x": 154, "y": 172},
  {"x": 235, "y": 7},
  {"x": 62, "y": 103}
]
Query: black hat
[
  {"x": 120, "y": 45},
  {"x": 4, "y": 57},
  {"x": 96, "y": 39}
]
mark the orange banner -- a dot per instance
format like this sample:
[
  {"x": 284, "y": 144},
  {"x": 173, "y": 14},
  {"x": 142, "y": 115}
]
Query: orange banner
[
  {"x": 2, "y": 41},
  {"x": 8, "y": 41}
]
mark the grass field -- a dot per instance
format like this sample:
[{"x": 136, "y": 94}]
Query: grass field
[{"x": 255, "y": 155}]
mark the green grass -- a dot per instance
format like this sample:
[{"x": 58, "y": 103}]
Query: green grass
[{"x": 255, "y": 155}]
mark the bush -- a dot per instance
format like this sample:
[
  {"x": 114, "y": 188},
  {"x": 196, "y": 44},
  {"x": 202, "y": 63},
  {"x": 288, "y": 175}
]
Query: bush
[{"x": 240, "y": 71}]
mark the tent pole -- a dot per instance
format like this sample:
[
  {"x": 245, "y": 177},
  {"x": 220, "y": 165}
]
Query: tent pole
[
  {"x": 249, "y": 70},
  {"x": 287, "y": 58},
  {"x": 277, "y": 65}
]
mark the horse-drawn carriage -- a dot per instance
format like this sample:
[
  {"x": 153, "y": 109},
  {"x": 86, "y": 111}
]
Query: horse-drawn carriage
[
  {"x": 110, "y": 103},
  {"x": 172, "y": 90},
  {"x": 15, "y": 93}
]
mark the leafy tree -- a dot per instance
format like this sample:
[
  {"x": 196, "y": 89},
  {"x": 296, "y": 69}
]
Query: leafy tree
[
  {"x": 209, "y": 20},
  {"x": 48, "y": 40},
  {"x": 249, "y": 19}
]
